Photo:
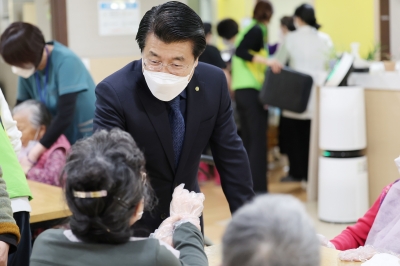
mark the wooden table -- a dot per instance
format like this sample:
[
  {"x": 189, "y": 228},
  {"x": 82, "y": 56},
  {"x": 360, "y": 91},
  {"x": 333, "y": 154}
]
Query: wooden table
[
  {"x": 48, "y": 203},
  {"x": 329, "y": 257}
]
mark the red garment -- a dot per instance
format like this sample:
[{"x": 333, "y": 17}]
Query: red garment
[
  {"x": 355, "y": 236},
  {"x": 50, "y": 164}
]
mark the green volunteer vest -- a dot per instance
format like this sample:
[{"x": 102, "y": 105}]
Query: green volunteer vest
[
  {"x": 246, "y": 74},
  {"x": 17, "y": 186}
]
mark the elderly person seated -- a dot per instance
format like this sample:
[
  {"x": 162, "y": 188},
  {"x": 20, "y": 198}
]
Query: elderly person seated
[
  {"x": 107, "y": 190},
  {"x": 33, "y": 119},
  {"x": 273, "y": 230}
]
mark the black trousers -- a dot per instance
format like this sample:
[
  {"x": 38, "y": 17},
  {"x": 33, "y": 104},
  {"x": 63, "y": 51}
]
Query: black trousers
[
  {"x": 254, "y": 124},
  {"x": 22, "y": 255},
  {"x": 295, "y": 135}
]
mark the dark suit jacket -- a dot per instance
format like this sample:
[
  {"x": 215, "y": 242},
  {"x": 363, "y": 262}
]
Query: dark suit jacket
[{"x": 124, "y": 101}]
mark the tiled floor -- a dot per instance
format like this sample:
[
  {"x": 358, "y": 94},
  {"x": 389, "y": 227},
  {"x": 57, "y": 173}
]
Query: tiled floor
[{"x": 217, "y": 214}]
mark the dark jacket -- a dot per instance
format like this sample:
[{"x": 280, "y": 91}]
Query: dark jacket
[{"x": 124, "y": 101}]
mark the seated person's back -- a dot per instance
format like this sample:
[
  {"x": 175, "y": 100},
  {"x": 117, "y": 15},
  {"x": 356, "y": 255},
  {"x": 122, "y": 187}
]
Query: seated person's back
[
  {"x": 33, "y": 119},
  {"x": 107, "y": 190}
]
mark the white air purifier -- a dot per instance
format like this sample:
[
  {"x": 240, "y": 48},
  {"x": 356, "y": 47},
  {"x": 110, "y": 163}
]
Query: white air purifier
[{"x": 343, "y": 176}]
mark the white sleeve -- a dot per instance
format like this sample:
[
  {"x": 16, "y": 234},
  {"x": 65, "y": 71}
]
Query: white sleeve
[{"x": 9, "y": 124}]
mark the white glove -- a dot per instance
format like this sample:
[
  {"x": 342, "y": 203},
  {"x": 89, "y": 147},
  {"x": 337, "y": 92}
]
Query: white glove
[
  {"x": 185, "y": 207},
  {"x": 325, "y": 242},
  {"x": 165, "y": 231},
  {"x": 358, "y": 254}
]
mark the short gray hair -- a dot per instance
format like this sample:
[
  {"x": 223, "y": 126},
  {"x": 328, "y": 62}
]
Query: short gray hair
[
  {"x": 273, "y": 230},
  {"x": 39, "y": 115}
]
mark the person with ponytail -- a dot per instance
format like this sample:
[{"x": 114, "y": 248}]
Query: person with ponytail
[
  {"x": 107, "y": 190},
  {"x": 307, "y": 50}
]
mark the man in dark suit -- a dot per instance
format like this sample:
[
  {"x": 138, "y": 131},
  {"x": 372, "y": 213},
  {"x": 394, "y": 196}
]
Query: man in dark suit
[{"x": 173, "y": 106}]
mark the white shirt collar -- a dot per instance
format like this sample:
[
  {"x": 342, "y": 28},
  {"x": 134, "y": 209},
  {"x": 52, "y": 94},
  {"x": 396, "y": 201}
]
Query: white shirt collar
[{"x": 305, "y": 27}]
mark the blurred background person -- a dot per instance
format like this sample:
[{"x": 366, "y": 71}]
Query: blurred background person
[
  {"x": 307, "y": 50},
  {"x": 211, "y": 54},
  {"x": 33, "y": 120},
  {"x": 272, "y": 230},
  {"x": 54, "y": 75},
  {"x": 228, "y": 29},
  {"x": 248, "y": 69},
  {"x": 286, "y": 26}
]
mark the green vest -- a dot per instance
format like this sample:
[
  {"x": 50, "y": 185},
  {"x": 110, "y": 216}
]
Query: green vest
[
  {"x": 246, "y": 74},
  {"x": 17, "y": 186}
]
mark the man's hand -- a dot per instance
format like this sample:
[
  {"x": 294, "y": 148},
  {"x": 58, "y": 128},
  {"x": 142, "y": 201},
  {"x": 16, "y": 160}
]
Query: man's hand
[{"x": 4, "y": 247}]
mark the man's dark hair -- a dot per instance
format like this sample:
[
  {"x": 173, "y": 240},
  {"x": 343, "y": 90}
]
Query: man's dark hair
[
  {"x": 227, "y": 28},
  {"x": 288, "y": 23},
  {"x": 22, "y": 43},
  {"x": 173, "y": 22}
]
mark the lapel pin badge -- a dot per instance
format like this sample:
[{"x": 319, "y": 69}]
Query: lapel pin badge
[{"x": 197, "y": 89}]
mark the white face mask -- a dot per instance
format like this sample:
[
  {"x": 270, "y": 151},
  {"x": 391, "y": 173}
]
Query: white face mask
[
  {"x": 164, "y": 86},
  {"x": 24, "y": 73}
]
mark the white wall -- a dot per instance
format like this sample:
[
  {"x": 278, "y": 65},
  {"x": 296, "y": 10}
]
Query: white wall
[
  {"x": 43, "y": 18},
  {"x": 394, "y": 28},
  {"x": 207, "y": 11},
  {"x": 83, "y": 37}
]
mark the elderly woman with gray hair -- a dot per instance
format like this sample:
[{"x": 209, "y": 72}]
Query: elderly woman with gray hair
[
  {"x": 273, "y": 230},
  {"x": 33, "y": 119}
]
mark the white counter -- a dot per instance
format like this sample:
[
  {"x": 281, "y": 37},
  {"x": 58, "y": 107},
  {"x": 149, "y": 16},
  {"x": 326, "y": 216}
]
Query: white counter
[{"x": 376, "y": 81}]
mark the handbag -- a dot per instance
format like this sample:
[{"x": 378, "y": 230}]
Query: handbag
[{"x": 289, "y": 90}]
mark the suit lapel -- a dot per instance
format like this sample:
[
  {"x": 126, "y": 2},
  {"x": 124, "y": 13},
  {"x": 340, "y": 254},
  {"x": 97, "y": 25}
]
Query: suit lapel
[
  {"x": 193, "y": 108},
  {"x": 158, "y": 115}
]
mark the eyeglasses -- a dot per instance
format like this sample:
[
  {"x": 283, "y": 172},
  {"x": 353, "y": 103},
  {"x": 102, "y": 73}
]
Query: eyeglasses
[{"x": 154, "y": 65}]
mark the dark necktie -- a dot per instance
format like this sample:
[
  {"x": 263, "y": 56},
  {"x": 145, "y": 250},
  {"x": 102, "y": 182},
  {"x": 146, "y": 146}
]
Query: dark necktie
[{"x": 177, "y": 123}]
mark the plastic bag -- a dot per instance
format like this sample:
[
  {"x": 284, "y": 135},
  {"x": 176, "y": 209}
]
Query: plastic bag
[
  {"x": 325, "y": 242},
  {"x": 185, "y": 207},
  {"x": 166, "y": 230},
  {"x": 363, "y": 253},
  {"x": 359, "y": 254}
]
